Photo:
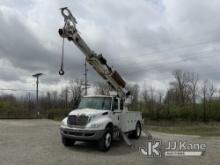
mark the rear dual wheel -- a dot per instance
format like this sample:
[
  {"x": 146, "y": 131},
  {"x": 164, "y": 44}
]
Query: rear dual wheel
[{"x": 137, "y": 132}]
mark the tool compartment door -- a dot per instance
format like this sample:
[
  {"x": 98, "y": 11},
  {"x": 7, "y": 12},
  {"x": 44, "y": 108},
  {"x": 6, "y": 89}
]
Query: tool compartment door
[{"x": 128, "y": 120}]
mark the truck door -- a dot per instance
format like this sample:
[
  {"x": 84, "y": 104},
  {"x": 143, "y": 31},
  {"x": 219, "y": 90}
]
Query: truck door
[{"x": 116, "y": 111}]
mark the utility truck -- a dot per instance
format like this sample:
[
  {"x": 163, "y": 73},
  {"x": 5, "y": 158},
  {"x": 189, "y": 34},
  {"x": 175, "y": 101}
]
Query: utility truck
[{"x": 98, "y": 118}]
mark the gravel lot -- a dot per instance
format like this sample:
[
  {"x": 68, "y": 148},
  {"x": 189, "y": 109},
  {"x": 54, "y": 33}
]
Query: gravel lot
[{"x": 38, "y": 142}]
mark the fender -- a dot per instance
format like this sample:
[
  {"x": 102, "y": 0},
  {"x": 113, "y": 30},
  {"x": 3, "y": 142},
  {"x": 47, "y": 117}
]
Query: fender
[{"x": 103, "y": 120}]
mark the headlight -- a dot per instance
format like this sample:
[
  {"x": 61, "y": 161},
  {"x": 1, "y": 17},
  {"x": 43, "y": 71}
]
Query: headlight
[
  {"x": 91, "y": 117},
  {"x": 64, "y": 122},
  {"x": 95, "y": 125}
]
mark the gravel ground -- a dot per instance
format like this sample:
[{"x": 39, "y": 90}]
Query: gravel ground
[{"x": 38, "y": 142}]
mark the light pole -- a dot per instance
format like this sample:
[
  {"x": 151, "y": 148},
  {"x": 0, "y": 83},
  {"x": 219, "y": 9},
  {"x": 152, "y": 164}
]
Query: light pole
[{"x": 37, "y": 75}]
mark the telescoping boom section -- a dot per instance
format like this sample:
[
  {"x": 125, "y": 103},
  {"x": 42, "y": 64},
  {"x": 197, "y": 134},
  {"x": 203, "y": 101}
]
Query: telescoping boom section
[{"x": 97, "y": 61}]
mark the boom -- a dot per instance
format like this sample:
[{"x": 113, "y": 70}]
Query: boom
[{"x": 97, "y": 61}]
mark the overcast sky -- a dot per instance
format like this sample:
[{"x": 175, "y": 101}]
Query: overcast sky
[{"x": 145, "y": 40}]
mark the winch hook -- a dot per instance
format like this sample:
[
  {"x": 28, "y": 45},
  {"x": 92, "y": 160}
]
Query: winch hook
[{"x": 61, "y": 72}]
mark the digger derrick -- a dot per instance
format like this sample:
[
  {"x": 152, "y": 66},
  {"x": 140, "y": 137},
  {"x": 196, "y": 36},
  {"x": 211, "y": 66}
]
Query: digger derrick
[
  {"x": 118, "y": 124},
  {"x": 98, "y": 62}
]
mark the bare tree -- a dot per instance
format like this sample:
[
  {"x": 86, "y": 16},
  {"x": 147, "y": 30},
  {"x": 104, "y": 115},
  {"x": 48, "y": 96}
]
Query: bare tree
[
  {"x": 181, "y": 83},
  {"x": 76, "y": 90},
  {"x": 145, "y": 94},
  {"x": 102, "y": 88},
  {"x": 55, "y": 98},
  {"x": 208, "y": 90},
  {"x": 193, "y": 88},
  {"x": 152, "y": 101},
  {"x": 48, "y": 99},
  {"x": 64, "y": 97},
  {"x": 134, "y": 90},
  {"x": 211, "y": 91},
  {"x": 160, "y": 94}
]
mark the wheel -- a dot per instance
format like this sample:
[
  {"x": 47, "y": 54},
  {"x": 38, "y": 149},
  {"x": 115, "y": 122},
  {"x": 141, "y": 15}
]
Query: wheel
[
  {"x": 106, "y": 140},
  {"x": 137, "y": 132},
  {"x": 68, "y": 142}
]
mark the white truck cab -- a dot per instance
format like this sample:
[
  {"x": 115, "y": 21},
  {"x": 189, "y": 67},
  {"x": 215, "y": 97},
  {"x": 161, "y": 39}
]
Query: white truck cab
[{"x": 100, "y": 118}]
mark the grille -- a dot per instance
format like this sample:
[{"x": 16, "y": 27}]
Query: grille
[{"x": 77, "y": 120}]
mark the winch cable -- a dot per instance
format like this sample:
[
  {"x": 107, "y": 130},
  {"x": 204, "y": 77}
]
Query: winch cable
[{"x": 61, "y": 71}]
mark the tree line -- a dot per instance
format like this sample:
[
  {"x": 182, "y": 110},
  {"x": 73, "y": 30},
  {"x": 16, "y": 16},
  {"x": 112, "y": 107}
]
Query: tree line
[{"x": 187, "y": 98}]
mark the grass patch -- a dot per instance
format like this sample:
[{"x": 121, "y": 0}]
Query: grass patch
[{"x": 185, "y": 128}]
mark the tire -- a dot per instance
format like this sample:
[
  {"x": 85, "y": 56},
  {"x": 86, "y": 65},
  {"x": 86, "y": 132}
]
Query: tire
[
  {"x": 137, "y": 132},
  {"x": 106, "y": 141},
  {"x": 67, "y": 142}
]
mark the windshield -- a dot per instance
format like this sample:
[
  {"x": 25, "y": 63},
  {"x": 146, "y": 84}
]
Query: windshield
[{"x": 101, "y": 103}]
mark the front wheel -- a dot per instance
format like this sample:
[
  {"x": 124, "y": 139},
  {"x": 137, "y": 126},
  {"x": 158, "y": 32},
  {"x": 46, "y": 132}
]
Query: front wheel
[
  {"x": 68, "y": 142},
  {"x": 106, "y": 141}
]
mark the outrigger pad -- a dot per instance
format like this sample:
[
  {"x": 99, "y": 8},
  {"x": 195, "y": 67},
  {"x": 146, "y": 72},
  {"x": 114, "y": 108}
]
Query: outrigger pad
[
  {"x": 126, "y": 139},
  {"x": 147, "y": 134}
]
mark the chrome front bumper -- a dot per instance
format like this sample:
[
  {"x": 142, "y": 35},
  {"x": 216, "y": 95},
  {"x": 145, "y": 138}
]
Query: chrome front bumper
[{"x": 81, "y": 135}]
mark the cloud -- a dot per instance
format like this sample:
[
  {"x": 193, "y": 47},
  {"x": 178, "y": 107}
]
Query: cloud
[{"x": 144, "y": 40}]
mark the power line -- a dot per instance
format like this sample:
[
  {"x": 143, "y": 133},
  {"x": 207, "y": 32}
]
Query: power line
[
  {"x": 185, "y": 57},
  {"x": 168, "y": 49},
  {"x": 197, "y": 36},
  {"x": 151, "y": 67},
  {"x": 172, "y": 62},
  {"x": 18, "y": 90},
  {"x": 161, "y": 51},
  {"x": 13, "y": 89}
]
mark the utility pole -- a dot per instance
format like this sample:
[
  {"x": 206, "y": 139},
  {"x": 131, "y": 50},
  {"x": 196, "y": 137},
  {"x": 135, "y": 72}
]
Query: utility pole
[
  {"x": 86, "y": 81},
  {"x": 29, "y": 102},
  {"x": 66, "y": 97},
  {"x": 37, "y": 75}
]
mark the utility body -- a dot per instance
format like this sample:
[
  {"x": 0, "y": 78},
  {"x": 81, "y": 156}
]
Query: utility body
[{"x": 98, "y": 118}]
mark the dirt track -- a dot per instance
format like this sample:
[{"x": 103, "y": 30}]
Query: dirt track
[{"x": 38, "y": 142}]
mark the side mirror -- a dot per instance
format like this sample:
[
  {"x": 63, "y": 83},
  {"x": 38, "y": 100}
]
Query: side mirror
[
  {"x": 127, "y": 101},
  {"x": 114, "y": 108}
]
